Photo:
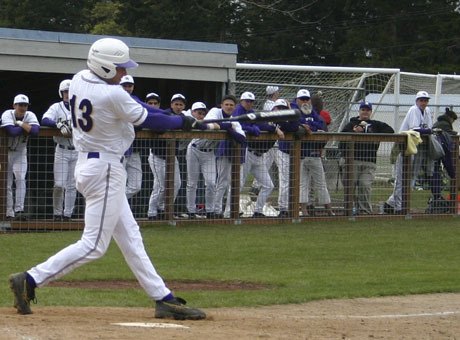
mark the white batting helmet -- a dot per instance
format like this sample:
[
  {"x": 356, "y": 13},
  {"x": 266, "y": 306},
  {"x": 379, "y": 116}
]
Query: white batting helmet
[
  {"x": 106, "y": 54},
  {"x": 64, "y": 86}
]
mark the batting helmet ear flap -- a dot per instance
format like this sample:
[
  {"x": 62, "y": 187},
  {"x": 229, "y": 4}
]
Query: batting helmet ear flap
[
  {"x": 64, "y": 86},
  {"x": 106, "y": 54}
]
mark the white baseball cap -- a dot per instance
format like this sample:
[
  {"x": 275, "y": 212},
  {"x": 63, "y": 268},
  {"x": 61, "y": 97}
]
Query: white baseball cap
[
  {"x": 422, "y": 94},
  {"x": 152, "y": 95},
  {"x": 303, "y": 93},
  {"x": 21, "y": 99},
  {"x": 199, "y": 106},
  {"x": 272, "y": 89},
  {"x": 127, "y": 80},
  {"x": 247, "y": 96},
  {"x": 281, "y": 103},
  {"x": 177, "y": 96}
]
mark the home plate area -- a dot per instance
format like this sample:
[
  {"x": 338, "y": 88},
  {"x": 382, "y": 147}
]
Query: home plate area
[{"x": 149, "y": 325}]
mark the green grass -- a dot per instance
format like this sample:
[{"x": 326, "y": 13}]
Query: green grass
[{"x": 297, "y": 262}]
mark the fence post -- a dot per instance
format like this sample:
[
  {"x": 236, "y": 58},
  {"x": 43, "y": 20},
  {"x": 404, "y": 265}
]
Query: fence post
[
  {"x": 294, "y": 180},
  {"x": 235, "y": 182},
  {"x": 169, "y": 180}
]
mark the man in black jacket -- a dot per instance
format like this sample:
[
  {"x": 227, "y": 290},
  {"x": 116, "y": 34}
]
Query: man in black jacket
[
  {"x": 365, "y": 155},
  {"x": 443, "y": 129}
]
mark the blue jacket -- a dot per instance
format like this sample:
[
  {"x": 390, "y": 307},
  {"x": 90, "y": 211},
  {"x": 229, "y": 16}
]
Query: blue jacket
[{"x": 254, "y": 129}]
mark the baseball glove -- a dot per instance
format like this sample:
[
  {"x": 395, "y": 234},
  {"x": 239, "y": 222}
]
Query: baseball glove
[{"x": 65, "y": 129}]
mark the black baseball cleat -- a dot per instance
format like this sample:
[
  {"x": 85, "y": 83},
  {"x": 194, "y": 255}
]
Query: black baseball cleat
[
  {"x": 23, "y": 293},
  {"x": 258, "y": 215},
  {"x": 21, "y": 216},
  {"x": 176, "y": 309},
  {"x": 388, "y": 209},
  {"x": 283, "y": 214}
]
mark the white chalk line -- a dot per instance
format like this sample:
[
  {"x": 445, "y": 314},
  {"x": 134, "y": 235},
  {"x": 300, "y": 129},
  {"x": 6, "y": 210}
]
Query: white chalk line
[
  {"x": 149, "y": 325},
  {"x": 383, "y": 316}
]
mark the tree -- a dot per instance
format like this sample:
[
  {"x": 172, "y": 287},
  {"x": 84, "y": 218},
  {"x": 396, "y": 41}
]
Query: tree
[
  {"x": 44, "y": 15},
  {"x": 412, "y": 35}
]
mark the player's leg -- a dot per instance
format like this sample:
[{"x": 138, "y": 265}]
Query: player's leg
[
  {"x": 177, "y": 179},
  {"x": 134, "y": 174},
  {"x": 394, "y": 202},
  {"x": 9, "y": 185},
  {"x": 158, "y": 167},
  {"x": 260, "y": 172},
  {"x": 129, "y": 240},
  {"x": 70, "y": 190},
  {"x": 208, "y": 168},
  {"x": 283, "y": 175},
  {"x": 318, "y": 183},
  {"x": 20, "y": 171},
  {"x": 304, "y": 185},
  {"x": 60, "y": 170},
  {"x": 102, "y": 185},
  {"x": 193, "y": 175},
  {"x": 245, "y": 168},
  {"x": 223, "y": 182}
]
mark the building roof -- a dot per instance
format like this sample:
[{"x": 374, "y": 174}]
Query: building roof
[{"x": 59, "y": 52}]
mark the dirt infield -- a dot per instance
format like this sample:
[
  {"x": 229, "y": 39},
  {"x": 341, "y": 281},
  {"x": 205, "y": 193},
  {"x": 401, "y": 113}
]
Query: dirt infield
[{"x": 435, "y": 316}]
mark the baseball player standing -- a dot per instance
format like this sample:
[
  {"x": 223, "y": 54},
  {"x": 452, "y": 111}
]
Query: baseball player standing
[
  {"x": 103, "y": 120},
  {"x": 65, "y": 155},
  {"x": 19, "y": 124},
  {"x": 273, "y": 93},
  {"x": 133, "y": 163},
  {"x": 254, "y": 160},
  {"x": 201, "y": 159},
  {"x": 223, "y": 153},
  {"x": 157, "y": 162}
]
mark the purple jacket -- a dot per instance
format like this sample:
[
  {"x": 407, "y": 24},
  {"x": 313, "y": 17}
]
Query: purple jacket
[
  {"x": 254, "y": 129},
  {"x": 314, "y": 121}
]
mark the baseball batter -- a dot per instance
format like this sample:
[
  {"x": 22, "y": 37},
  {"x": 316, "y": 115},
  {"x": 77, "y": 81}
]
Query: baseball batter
[
  {"x": 19, "y": 123},
  {"x": 103, "y": 120},
  {"x": 65, "y": 155}
]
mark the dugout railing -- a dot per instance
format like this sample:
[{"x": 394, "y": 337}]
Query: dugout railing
[{"x": 337, "y": 163}]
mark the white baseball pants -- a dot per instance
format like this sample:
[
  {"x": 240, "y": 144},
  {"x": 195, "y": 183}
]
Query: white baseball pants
[
  {"x": 224, "y": 173},
  {"x": 64, "y": 192},
  {"x": 102, "y": 181},
  {"x": 255, "y": 164},
  {"x": 205, "y": 163},
  {"x": 312, "y": 177},
  {"x": 133, "y": 167},
  {"x": 17, "y": 170},
  {"x": 157, "y": 197}
]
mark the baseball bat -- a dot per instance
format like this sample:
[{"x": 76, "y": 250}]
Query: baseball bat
[{"x": 261, "y": 116}]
